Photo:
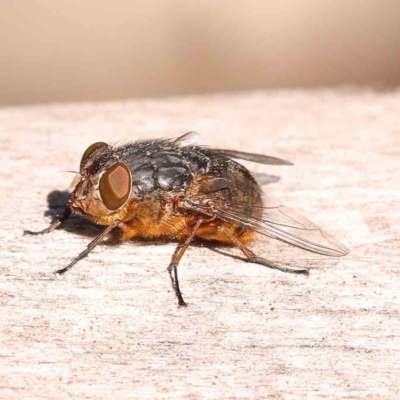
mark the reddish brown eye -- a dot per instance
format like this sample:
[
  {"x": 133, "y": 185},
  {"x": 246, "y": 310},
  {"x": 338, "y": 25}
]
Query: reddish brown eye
[
  {"x": 90, "y": 150},
  {"x": 115, "y": 186}
]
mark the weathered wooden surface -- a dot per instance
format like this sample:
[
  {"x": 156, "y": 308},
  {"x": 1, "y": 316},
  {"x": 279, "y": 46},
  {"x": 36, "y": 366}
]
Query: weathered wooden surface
[{"x": 111, "y": 327}]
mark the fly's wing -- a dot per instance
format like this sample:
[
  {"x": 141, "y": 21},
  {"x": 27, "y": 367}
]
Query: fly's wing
[
  {"x": 277, "y": 221},
  {"x": 193, "y": 139},
  {"x": 257, "y": 158}
]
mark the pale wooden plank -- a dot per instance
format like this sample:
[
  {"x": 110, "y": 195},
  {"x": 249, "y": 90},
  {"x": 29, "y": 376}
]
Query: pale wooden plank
[{"x": 111, "y": 328}]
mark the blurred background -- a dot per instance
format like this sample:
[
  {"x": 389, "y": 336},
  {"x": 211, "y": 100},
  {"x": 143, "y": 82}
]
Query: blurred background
[{"x": 93, "y": 50}]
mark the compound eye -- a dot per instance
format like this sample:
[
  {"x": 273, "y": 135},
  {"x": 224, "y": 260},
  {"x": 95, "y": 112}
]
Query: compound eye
[
  {"x": 91, "y": 150},
  {"x": 115, "y": 186}
]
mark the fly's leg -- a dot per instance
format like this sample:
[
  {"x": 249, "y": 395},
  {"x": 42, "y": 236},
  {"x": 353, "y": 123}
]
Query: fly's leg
[
  {"x": 176, "y": 258},
  {"x": 89, "y": 248},
  {"x": 251, "y": 257},
  {"x": 55, "y": 225}
]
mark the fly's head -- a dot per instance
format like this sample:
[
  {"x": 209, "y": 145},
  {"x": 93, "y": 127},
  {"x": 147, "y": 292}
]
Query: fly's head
[{"x": 103, "y": 186}]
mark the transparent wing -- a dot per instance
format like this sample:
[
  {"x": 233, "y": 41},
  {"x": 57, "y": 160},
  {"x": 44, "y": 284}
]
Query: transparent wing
[
  {"x": 277, "y": 221},
  {"x": 257, "y": 158},
  {"x": 193, "y": 139}
]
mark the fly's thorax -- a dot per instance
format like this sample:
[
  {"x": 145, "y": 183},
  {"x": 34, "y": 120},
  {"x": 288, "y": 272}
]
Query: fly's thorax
[{"x": 156, "y": 165}]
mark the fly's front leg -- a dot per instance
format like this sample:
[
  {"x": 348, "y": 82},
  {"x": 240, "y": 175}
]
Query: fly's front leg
[
  {"x": 89, "y": 248},
  {"x": 251, "y": 257},
  {"x": 180, "y": 250},
  {"x": 55, "y": 225}
]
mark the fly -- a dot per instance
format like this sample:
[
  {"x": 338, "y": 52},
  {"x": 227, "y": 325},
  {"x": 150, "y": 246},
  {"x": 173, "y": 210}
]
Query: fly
[{"x": 176, "y": 190}]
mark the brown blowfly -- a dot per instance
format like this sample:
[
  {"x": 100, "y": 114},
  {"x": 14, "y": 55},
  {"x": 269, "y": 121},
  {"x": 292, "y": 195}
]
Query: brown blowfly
[{"x": 177, "y": 190}]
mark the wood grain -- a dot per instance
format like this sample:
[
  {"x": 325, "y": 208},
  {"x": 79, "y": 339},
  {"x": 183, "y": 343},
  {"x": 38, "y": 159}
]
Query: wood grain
[{"x": 111, "y": 328}]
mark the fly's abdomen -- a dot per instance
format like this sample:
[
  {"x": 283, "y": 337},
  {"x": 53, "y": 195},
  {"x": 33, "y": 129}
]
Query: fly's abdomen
[{"x": 243, "y": 191}]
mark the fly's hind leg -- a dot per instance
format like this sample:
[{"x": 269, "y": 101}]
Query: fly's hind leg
[
  {"x": 55, "y": 225},
  {"x": 251, "y": 257},
  {"x": 180, "y": 250}
]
